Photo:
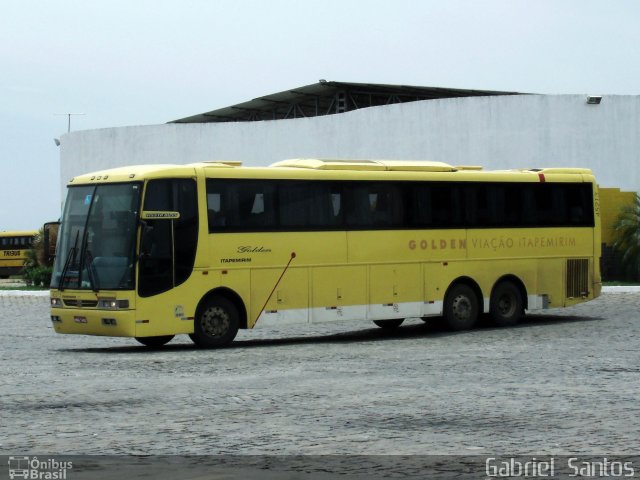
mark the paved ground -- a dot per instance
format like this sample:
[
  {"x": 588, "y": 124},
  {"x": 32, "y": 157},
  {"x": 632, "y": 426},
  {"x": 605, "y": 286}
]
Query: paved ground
[{"x": 565, "y": 381}]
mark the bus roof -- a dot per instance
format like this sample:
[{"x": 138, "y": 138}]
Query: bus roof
[
  {"x": 18, "y": 233},
  {"x": 335, "y": 168}
]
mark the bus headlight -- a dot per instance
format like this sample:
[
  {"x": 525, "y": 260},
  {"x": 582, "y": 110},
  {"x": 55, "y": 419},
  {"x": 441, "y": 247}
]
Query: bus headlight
[
  {"x": 56, "y": 302},
  {"x": 112, "y": 304}
]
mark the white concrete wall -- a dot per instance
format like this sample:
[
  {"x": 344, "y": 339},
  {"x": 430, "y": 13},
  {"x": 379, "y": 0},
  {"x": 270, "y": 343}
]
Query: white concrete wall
[{"x": 496, "y": 132}]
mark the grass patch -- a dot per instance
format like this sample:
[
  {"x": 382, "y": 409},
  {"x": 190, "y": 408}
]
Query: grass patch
[{"x": 620, "y": 284}]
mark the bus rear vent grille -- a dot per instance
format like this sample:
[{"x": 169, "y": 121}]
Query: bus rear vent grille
[{"x": 577, "y": 277}]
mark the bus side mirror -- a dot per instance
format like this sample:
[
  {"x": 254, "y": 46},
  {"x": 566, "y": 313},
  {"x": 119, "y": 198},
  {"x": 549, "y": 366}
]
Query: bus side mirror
[{"x": 50, "y": 230}]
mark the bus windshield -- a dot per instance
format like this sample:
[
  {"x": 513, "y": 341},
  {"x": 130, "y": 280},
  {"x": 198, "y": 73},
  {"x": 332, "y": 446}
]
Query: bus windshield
[{"x": 97, "y": 238}]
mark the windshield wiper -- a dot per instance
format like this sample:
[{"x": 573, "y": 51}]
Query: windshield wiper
[
  {"x": 72, "y": 251},
  {"x": 86, "y": 259}
]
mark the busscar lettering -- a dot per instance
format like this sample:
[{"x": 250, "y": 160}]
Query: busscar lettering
[{"x": 151, "y": 215}]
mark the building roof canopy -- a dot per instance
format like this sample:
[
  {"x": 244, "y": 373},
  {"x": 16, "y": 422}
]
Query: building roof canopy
[{"x": 326, "y": 98}]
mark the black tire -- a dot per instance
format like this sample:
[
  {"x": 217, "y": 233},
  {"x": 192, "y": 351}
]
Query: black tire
[
  {"x": 505, "y": 307},
  {"x": 389, "y": 324},
  {"x": 461, "y": 308},
  {"x": 216, "y": 323},
  {"x": 155, "y": 342}
]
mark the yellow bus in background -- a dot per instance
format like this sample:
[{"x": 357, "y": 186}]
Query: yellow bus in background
[
  {"x": 206, "y": 249},
  {"x": 13, "y": 251}
]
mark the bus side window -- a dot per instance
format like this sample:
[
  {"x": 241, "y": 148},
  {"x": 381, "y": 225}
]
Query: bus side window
[
  {"x": 294, "y": 204},
  {"x": 257, "y": 207},
  {"x": 215, "y": 214},
  {"x": 496, "y": 204},
  {"x": 251, "y": 209},
  {"x": 579, "y": 204},
  {"x": 388, "y": 211},
  {"x": 446, "y": 205},
  {"x": 326, "y": 206},
  {"x": 544, "y": 204},
  {"x": 529, "y": 209},
  {"x": 476, "y": 208},
  {"x": 358, "y": 207},
  {"x": 419, "y": 205},
  {"x": 307, "y": 205},
  {"x": 375, "y": 205},
  {"x": 335, "y": 204},
  {"x": 560, "y": 207},
  {"x": 513, "y": 206}
]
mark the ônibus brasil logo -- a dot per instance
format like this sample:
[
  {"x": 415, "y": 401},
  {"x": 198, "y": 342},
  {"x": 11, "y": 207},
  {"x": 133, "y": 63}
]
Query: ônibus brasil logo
[{"x": 35, "y": 469}]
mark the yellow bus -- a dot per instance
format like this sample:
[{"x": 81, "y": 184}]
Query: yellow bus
[
  {"x": 13, "y": 251},
  {"x": 206, "y": 249}
]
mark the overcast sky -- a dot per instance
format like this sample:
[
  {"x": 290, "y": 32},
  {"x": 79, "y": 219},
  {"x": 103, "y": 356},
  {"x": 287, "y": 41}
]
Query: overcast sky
[{"x": 132, "y": 62}]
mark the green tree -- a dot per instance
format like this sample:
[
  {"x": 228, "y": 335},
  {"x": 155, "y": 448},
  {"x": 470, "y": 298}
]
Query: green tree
[
  {"x": 37, "y": 266},
  {"x": 627, "y": 228}
]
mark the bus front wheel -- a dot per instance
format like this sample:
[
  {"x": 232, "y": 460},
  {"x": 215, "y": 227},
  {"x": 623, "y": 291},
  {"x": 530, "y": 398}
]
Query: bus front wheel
[
  {"x": 506, "y": 306},
  {"x": 155, "y": 342},
  {"x": 461, "y": 308},
  {"x": 216, "y": 323}
]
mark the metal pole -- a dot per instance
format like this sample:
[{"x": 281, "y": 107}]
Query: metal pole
[{"x": 68, "y": 118}]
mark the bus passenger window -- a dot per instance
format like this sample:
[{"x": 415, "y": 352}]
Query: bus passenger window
[
  {"x": 215, "y": 214},
  {"x": 336, "y": 204}
]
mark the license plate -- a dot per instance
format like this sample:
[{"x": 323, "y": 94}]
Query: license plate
[{"x": 80, "y": 319}]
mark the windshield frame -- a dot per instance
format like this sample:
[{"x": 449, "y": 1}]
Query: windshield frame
[{"x": 97, "y": 241}]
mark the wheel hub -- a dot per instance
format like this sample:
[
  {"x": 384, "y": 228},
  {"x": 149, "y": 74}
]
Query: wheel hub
[
  {"x": 506, "y": 305},
  {"x": 215, "y": 322},
  {"x": 462, "y": 307}
]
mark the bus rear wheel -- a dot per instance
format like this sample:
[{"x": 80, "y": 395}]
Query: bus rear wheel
[
  {"x": 505, "y": 308},
  {"x": 389, "y": 324},
  {"x": 216, "y": 323},
  {"x": 155, "y": 342},
  {"x": 461, "y": 308}
]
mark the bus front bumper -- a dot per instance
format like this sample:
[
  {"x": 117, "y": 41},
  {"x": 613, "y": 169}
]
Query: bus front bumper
[{"x": 118, "y": 323}]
